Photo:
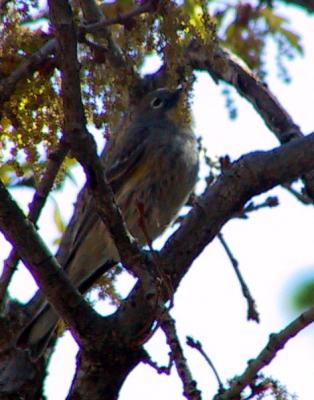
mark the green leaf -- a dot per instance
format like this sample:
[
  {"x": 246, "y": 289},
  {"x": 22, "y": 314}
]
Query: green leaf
[
  {"x": 58, "y": 219},
  {"x": 274, "y": 21},
  {"x": 276, "y": 24},
  {"x": 303, "y": 296},
  {"x": 293, "y": 38},
  {"x": 7, "y": 174}
]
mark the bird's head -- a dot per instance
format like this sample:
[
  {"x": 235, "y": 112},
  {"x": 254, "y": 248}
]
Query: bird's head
[{"x": 164, "y": 102}]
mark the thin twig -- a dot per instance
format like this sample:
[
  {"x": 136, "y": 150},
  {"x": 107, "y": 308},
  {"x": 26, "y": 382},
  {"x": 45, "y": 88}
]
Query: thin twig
[
  {"x": 121, "y": 19},
  {"x": 276, "y": 342},
  {"x": 7, "y": 85},
  {"x": 196, "y": 344},
  {"x": 190, "y": 390},
  {"x": 161, "y": 370},
  {"x": 55, "y": 159},
  {"x": 270, "y": 202},
  {"x": 93, "y": 14},
  {"x": 252, "y": 313},
  {"x": 303, "y": 197}
]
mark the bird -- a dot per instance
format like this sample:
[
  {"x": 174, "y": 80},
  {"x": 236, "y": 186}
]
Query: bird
[{"x": 154, "y": 163}]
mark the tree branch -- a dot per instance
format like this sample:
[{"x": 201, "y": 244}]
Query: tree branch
[
  {"x": 94, "y": 15},
  {"x": 82, "y": 143},
  {"x": 307, "y": 4},
  {"x": 8, "y": 85},
  {"x": 252, "y": 313},
  {"x": 249, "y": 176},
  {"x": 57, "y": 287},
  {"x": 123, "y": 19},
  {"x": 55, "y": 160},
  {"x": 83, "y": 148},
  {"x": 190, "y": 391},
  {"x": 276, "y": 342},
  {"x": 196, "y": 344},
  {"x": 221, "y": 65}
]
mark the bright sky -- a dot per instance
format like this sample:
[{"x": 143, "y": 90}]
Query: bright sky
[{"x": 274, "y": 248}]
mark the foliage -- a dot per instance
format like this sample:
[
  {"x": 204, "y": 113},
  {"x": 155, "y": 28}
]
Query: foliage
[
  {"x": 32, "y": 118},
  {"x": 266, "y": 386},
  {"x": 303, "y": 296},
  {"x": 249, "y": 30}
]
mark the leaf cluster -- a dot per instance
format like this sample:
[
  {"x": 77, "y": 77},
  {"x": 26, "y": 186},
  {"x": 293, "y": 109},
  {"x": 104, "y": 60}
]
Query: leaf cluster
[{"x": 31, "y": 118}]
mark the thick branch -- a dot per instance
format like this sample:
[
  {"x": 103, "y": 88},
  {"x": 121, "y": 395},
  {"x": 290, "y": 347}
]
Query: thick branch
[
  {"x": 252, "y": 174},
  {"x": 82, "y": 143},
  {"x": 190, "y": 390},
  {"x": 84, "y": 149},
  {"x": 123, "y": 333},
  {"x": 221, "y": 65},
  {"x": 46, "y": 271},
  {"x": 55, "y": 159}
]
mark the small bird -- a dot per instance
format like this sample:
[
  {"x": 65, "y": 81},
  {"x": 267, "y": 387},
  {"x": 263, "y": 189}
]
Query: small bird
[{"x": 153, "y": 163}]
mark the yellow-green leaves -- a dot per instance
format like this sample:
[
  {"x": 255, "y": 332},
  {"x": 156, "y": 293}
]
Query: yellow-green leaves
[{"x": 249, "y": 31}]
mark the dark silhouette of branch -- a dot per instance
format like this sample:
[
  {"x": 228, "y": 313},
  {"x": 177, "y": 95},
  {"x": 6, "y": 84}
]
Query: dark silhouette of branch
[
  {"x": 252, "y": 313},
  {"x": 22, "y": 234},
  {"x": 302, "y": 197},
  {"x": 122, "y": 19},
  {"x": 276, "y": 342},
  {"x": 123, "y": 333},
  {"x": 55, "y": 159},
  {"x": 190, "y": 390},
  {"x": 270, "y": 202},
  {"x": 82, "y": 143},
  {"x": 196, "y": 344},
  {"x": 94, "y": 15},
  {"x": 160, "y": 370},
  {"x": 221, "y": 65},
  {"x": 8, "y": 84},
  {"x": 249, "y": 176}
]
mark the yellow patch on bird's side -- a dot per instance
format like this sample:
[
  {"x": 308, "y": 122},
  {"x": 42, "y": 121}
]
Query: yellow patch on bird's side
[
  {"x": 139, "y": 173},
  {"x": 181, "y": 114},
  {"x": 60, "y": 328}
]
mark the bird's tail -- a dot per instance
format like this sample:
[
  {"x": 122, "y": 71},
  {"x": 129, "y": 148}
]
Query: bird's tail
[{"x": 92, "y": 258}]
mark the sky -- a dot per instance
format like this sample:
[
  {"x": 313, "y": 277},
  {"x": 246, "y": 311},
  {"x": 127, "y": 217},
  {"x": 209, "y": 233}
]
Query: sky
[{"x": 274, "y": 249}]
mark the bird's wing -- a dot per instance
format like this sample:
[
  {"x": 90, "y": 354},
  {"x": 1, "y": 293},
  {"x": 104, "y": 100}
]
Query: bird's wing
[
  {"x": 120, "y": 171},
  {"x": 85, "y": 220},
  {"x": 128, "y": 158}
]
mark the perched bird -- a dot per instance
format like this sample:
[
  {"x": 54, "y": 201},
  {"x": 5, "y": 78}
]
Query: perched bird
[{"x": 153, "y": 163}]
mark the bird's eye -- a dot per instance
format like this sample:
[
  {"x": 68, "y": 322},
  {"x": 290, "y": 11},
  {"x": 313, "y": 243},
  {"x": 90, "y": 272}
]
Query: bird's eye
[{"x": 156, "y": 102}]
